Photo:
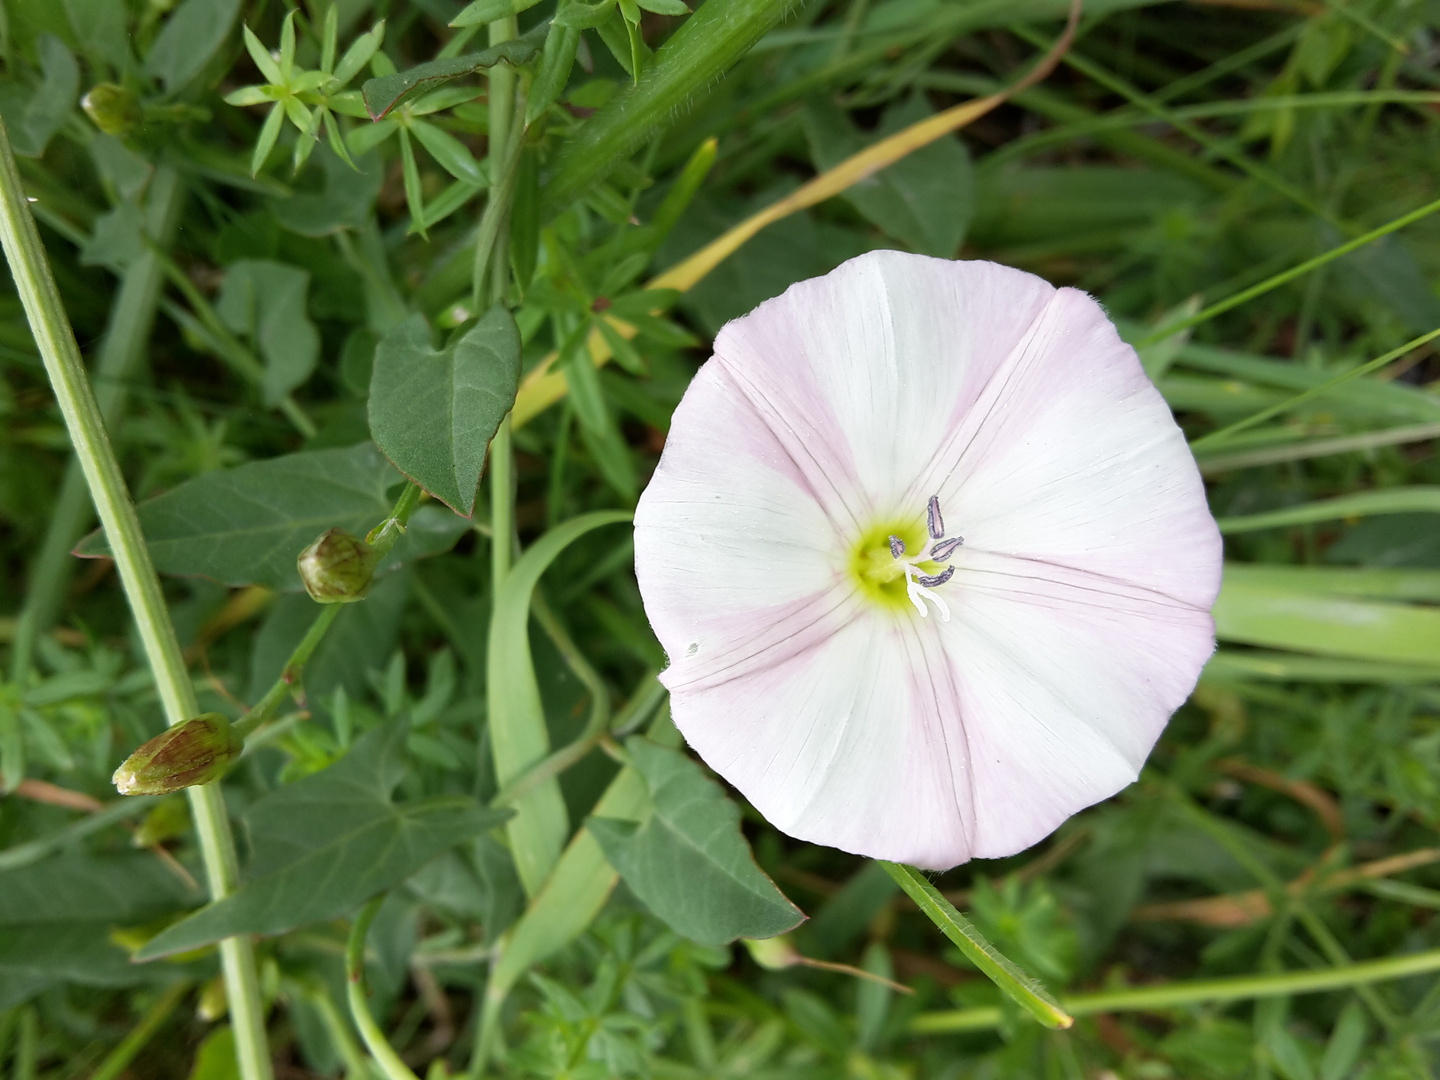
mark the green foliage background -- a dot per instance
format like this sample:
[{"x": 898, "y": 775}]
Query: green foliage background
[{"x": 233, "y": 303}]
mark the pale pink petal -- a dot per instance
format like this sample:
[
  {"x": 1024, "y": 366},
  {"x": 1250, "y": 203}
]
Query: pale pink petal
[
  {"x": 1070, "y": 457},
  {"x": 862, "y": 373},
  {"x": 1065, "y": 680},
  {"x": 850, "y": 743},
  {"x": 1080, "y": 599},
  {"x": 733, "y": 551}
]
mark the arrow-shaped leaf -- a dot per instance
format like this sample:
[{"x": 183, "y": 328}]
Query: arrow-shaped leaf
[
  {"x": 434, "y": 413},
  {"x": 246, "y": 525},
  {"x": 689, "y": 862}
]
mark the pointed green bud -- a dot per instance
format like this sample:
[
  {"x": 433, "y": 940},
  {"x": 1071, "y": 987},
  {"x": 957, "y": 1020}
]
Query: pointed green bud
[
  {"x": 337, "y": 568},
  {"x": 113, "y": 109},
  {"x": 195, "y": 752}
]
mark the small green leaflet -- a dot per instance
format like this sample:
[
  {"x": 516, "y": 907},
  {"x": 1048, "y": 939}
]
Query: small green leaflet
[
  {"x": 387, "y": 91},
  {"x": 246, "y": 525},
  {"x": 434, "y": 413},
  {"x": 689, "y": 862},
  {"x": 325, "y": 844}
]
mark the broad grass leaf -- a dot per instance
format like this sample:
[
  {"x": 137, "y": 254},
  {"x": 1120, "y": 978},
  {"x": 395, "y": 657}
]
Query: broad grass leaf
[
  {"x": 384, "y": 93},
  {"x": 266, "y": 301},
  {"x": 246, "y": 525},
  {"x": 689, "y": 862},
  {"x": 433, "y": 412},
  {"x": 1360, "y": 399},
  {"x": 926, "y": 199},
  {"x": 189, "y": 38},
  {"x": 1264, "y": 606},
  {"x": 519, "y": 738},
  {"x": 581, "y": 881},
  {"x": 328, "y": 842}
]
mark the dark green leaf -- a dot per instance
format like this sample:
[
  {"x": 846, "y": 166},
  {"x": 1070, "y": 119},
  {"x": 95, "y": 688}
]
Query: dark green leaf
[
  {"x": 487, "y": 11},
  {"x": 100, "y": 29},
  {"x": 689, "y": 862},
  {"x": 326, "y": 843},
  {"x": 384, "y": 93},
  {"x": 266, "y": 301},
  {"x": 33, "y": 115},
  {"x": 925, "y": 199},
  {"x": 345, "y": 203},
  {"x": 434, "y": 413},
  {"x": 56, "y": 917},
  {"x": 190, "y": 37},
  {"x": 247, "y": 525}
]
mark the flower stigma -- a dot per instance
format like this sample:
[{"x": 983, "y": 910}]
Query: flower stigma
[{"x": 901, "y": 563}]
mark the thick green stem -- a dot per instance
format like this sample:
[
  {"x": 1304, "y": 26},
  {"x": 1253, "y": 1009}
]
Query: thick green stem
[
  {"x": 131, "y": 317},
  {"x": 379, "y": 1047},
  {"x": 56, "y": 343}
]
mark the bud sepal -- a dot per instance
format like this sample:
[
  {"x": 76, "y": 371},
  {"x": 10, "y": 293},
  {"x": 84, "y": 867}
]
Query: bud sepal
[
  {"x": 337, "y": 568},
  {"x": 195, "y": 752},
  {"x": 113, "y": 109}
]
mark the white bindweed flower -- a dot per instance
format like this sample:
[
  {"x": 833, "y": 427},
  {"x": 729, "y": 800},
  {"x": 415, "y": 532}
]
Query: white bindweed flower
[{"x": 866, "y": 677}]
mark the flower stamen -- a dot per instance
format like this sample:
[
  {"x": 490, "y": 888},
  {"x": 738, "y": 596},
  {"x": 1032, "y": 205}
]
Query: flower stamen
[
  {"x": 934, "y": 520},
  {"x": 943, "y": 550},
  {"x": 897, "y": 547}
]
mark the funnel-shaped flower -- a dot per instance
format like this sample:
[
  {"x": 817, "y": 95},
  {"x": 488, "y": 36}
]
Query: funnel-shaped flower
[{"x": 930, "y": 558}]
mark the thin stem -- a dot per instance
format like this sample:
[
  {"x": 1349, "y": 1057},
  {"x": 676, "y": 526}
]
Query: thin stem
[
  {"x": 142, "y": 1033},
  {"x": 131, "y": 317},
  {"x": 223, "y": 343},
  {"x": 281, "y": 689},
  {"x": 1015, "y": 984},
  {"x": 318, "y": 994},
  {"x": 56, "y": 343},
  {"x": 382, "y": 538},
  {"x": 1315, "y": 391},
  {"x": 380, "y": 1048},
  {"x": 1199, "y": 992},
  {"x": 1246, "y": 295},
  {"x": 491, "y": 243}
]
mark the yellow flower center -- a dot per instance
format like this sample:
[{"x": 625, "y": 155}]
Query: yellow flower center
[{"x": 875, "y": 569}]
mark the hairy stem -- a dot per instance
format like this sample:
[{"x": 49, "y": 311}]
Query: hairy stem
[{"x": 70, "y": 382}]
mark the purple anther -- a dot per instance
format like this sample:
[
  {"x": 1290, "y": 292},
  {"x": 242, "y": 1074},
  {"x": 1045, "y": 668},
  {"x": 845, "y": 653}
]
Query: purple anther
[
  {"x": 937, "y": 523},
  {"x": 931, "y": 580},
  {"x": 942, "y": 551},
  {"x": 897, "y": 547}
]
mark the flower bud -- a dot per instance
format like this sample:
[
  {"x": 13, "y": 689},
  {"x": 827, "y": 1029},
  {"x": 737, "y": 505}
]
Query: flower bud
[
  {"x": 114, "y": 109},
  {"x": 337, "y": 568},
  {"x": 195, "y": 752}
]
